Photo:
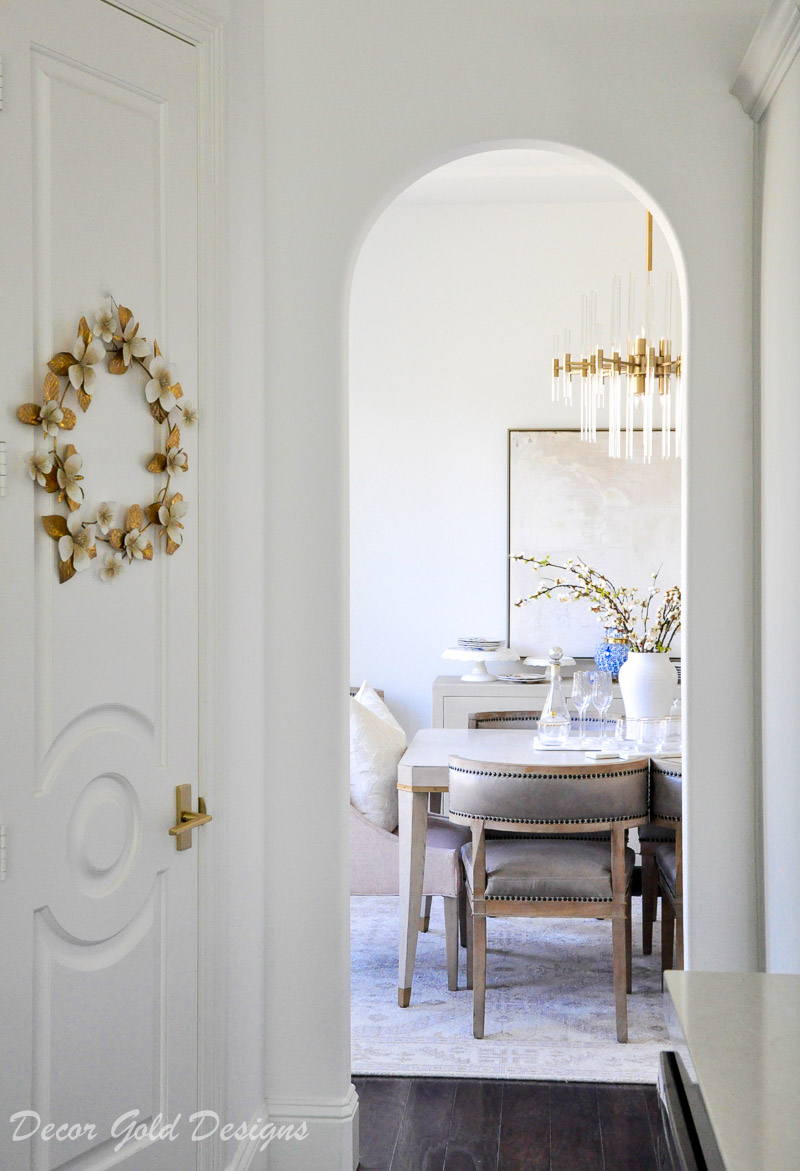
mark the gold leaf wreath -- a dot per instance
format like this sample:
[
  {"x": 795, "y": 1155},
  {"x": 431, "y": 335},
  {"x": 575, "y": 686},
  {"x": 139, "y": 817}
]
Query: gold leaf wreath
[{"x": 58, "y": 471}]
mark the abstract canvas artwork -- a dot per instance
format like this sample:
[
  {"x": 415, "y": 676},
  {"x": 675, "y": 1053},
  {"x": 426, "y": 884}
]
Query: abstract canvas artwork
[{"x": 567, "y": 498}]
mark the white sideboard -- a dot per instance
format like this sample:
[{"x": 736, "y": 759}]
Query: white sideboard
[{"x": 454, "y": 701}]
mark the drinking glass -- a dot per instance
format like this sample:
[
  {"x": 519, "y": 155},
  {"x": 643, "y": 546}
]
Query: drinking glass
[
  {"x": 581, "y": 697},
  {"x": 601, "y": 698},
  {"x": 651, "y": 735},
  {"x": 626, "y": 733}
]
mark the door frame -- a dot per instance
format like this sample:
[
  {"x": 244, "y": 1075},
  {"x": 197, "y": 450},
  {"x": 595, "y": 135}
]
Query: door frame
[{"x": 204, "y": 34}]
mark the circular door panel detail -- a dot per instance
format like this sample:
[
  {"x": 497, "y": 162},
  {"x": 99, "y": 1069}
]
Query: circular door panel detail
[{"x": 104, "y": 834}]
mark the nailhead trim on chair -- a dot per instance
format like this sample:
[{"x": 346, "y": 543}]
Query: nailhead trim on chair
[
  {"x": 549, "y": 820},
  {"x": 472, "y": 772},
  {"x": 543, "y": 899}
]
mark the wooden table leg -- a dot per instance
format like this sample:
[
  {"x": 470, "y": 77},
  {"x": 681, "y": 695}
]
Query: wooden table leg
[{"x": 413, "y": 832}]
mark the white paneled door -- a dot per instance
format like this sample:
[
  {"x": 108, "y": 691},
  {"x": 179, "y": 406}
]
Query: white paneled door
[{"x": 99, "y": 680}]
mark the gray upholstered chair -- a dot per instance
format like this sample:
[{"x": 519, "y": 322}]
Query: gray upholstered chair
[
  {"x": 375, "y": 870},
  {"x": 549, "y": 878},
  {"x": 665, "y": 814}
]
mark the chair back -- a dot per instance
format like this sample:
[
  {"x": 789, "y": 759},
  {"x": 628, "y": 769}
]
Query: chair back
[
  {"x": 665, "y": 790},
  {"x": 543, "y": 796}
]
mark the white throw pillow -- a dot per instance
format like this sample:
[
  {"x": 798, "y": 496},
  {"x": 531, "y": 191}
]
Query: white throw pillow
[
  {"x": 375, "y": 749},
  {"x": 369, "y": 697}
]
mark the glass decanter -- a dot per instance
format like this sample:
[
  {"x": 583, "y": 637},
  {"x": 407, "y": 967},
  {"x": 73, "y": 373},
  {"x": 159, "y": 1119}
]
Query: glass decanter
[{"x": 554, "y": 722}]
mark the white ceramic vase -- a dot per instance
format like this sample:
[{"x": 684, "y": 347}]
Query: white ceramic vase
[{"x": 647, "y": 680}]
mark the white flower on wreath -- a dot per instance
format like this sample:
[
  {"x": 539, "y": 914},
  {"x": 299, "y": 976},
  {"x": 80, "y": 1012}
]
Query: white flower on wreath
[
  {"x": 106, "y": 511},
  {"x": 177, "y": 461},
  {"x": 159, "y": 388},
  {"x": 115, "y": 563},
  {"x": 169, "y": 517},
  {"x": 133, "y": 346},
  {"x": 81, "y": 372},
  {"x": 40, "y": 464},
  {"x": 78, "y": 543},
  {"x": 135, "y": 544},
  {"x": 50, "y": 416},
  {"x": 190, "y": 414},
  {"x": 68, "y": 477},
  {"x": 105, "y": 321}
]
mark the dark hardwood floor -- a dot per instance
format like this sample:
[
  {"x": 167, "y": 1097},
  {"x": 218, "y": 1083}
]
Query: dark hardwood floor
[{"x": 449, "y": 1124}]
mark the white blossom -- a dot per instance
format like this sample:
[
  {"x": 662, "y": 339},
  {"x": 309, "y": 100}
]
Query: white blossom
[
  {"x": 105, "y": 321},
  {"x": 50, "y": 416},
  {"x": 115, "y": 563},
  {"x": 81, "y": 372},
  {"x": 159, "y": 388},
  {"x": 133, "y": 346},
  {"x": 106, "y": 512},
  {"x": 190, "y": 414},
  {"x": 40, "y": 464},
  {"x": 177, "y": 461},
  {"x": 78, "y": 543},
  {"x": 68, "y": 477},
  {"x": 169, "y": 516},
  {"x": 135, "y": 544}
]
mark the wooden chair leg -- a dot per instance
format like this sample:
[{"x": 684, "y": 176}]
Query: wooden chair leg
[
  {"x": 628, "y": 945},
  {"x": 679, "y": 934},
  {"x": 469, "y": 946},
  {"x": 649, "y": 900},
  {"x": 667, "y": 935},
  {"x": 462, "y": 916},
  {"x": 425, "y": 913},
  {"x": 619, "y": 929},
  {"x": 478, "y": 974},
  {"x": 451, "y": 941}
]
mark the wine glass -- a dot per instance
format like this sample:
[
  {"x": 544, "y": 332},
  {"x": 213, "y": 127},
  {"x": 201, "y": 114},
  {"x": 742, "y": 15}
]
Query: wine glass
[
  {"x": 601, "y": 698},
  {"x": 581, "y": 697}
]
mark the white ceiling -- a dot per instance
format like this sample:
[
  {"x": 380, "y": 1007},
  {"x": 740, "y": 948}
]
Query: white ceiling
[{"x": 517, "y": 176}]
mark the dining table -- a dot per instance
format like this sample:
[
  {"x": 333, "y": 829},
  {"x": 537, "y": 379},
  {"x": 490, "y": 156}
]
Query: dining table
[{"x": 424, "y": 770}]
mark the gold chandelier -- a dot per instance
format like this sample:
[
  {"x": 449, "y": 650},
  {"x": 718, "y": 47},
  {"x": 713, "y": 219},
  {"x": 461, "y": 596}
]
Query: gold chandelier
[{"x": 648, "y": 373}]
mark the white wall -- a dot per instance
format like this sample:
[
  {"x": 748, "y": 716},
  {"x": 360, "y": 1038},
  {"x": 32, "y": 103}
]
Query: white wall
[
  {"x": 360, "y": 99},
  {"x": 453, "y": 312},
  {"x": 779, "y": 159}
]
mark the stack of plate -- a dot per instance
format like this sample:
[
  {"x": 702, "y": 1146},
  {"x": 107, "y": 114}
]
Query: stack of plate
[{"x": 481, "y": 644}]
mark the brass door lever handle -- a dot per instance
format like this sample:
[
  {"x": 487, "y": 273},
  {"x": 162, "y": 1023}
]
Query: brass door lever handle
[{"x": 187, "y": 819}]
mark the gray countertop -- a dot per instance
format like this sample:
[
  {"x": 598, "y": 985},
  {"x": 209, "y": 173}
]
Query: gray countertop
[{"x": 743, "y": 1033}]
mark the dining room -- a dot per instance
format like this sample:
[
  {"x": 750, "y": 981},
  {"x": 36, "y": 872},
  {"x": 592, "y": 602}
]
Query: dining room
[{"x": 515, "y": 491}]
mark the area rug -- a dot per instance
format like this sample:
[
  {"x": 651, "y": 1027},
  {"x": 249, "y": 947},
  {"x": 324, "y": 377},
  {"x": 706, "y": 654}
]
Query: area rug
[{"x": 549, "y": 1002}]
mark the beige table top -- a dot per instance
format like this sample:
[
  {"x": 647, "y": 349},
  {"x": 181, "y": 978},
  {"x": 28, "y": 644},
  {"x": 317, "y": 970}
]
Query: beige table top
[
  {"x": 743, "y": 1035},
  {"x": 423, "y": 767}
]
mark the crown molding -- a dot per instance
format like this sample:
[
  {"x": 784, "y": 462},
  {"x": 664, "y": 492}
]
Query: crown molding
[{"x": 769, "y": 57}]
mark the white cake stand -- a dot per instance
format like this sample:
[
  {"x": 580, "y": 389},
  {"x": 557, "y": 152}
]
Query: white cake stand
[{"x": 479, "y": 659}]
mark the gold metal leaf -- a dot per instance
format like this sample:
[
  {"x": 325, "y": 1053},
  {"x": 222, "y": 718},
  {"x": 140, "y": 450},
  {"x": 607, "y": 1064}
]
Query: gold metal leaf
[
  {"x": 60, "y": 363},
  {"x": 55, "y": 526},
  {"x": 177, "y": 389},
  {"x": 51, "y": 481},
  {"x": 84, "y": 399},
  {"x": 124, "y": 316},
  {"x": 92, "y": 551},
  {"x": 152, "y": 512},
  {"x": 172, "y": 546},
  {"x": 156, "y": 350},
  {"x": 69, "y": 420},
  {"x": 116, "y": 538},
  {"x": 73, "y": 504},
  {"x": 177, "y": 496},
  {"x": 157, "y": 411},
  {"x": 66, "y": 570},
  {"x": 116, "y": 364},
  {"x": 51, "y": 387},
  {"x": 147, "y": 552},
  {"x": 28, "y": 413},
  {"x": 158, "y": 463},
  {"x": 69, "y": 450},
  {"x": 135, "y": 518},
  {"x": 84, "y": 333},
  {"x": 174, "y": 437}
]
